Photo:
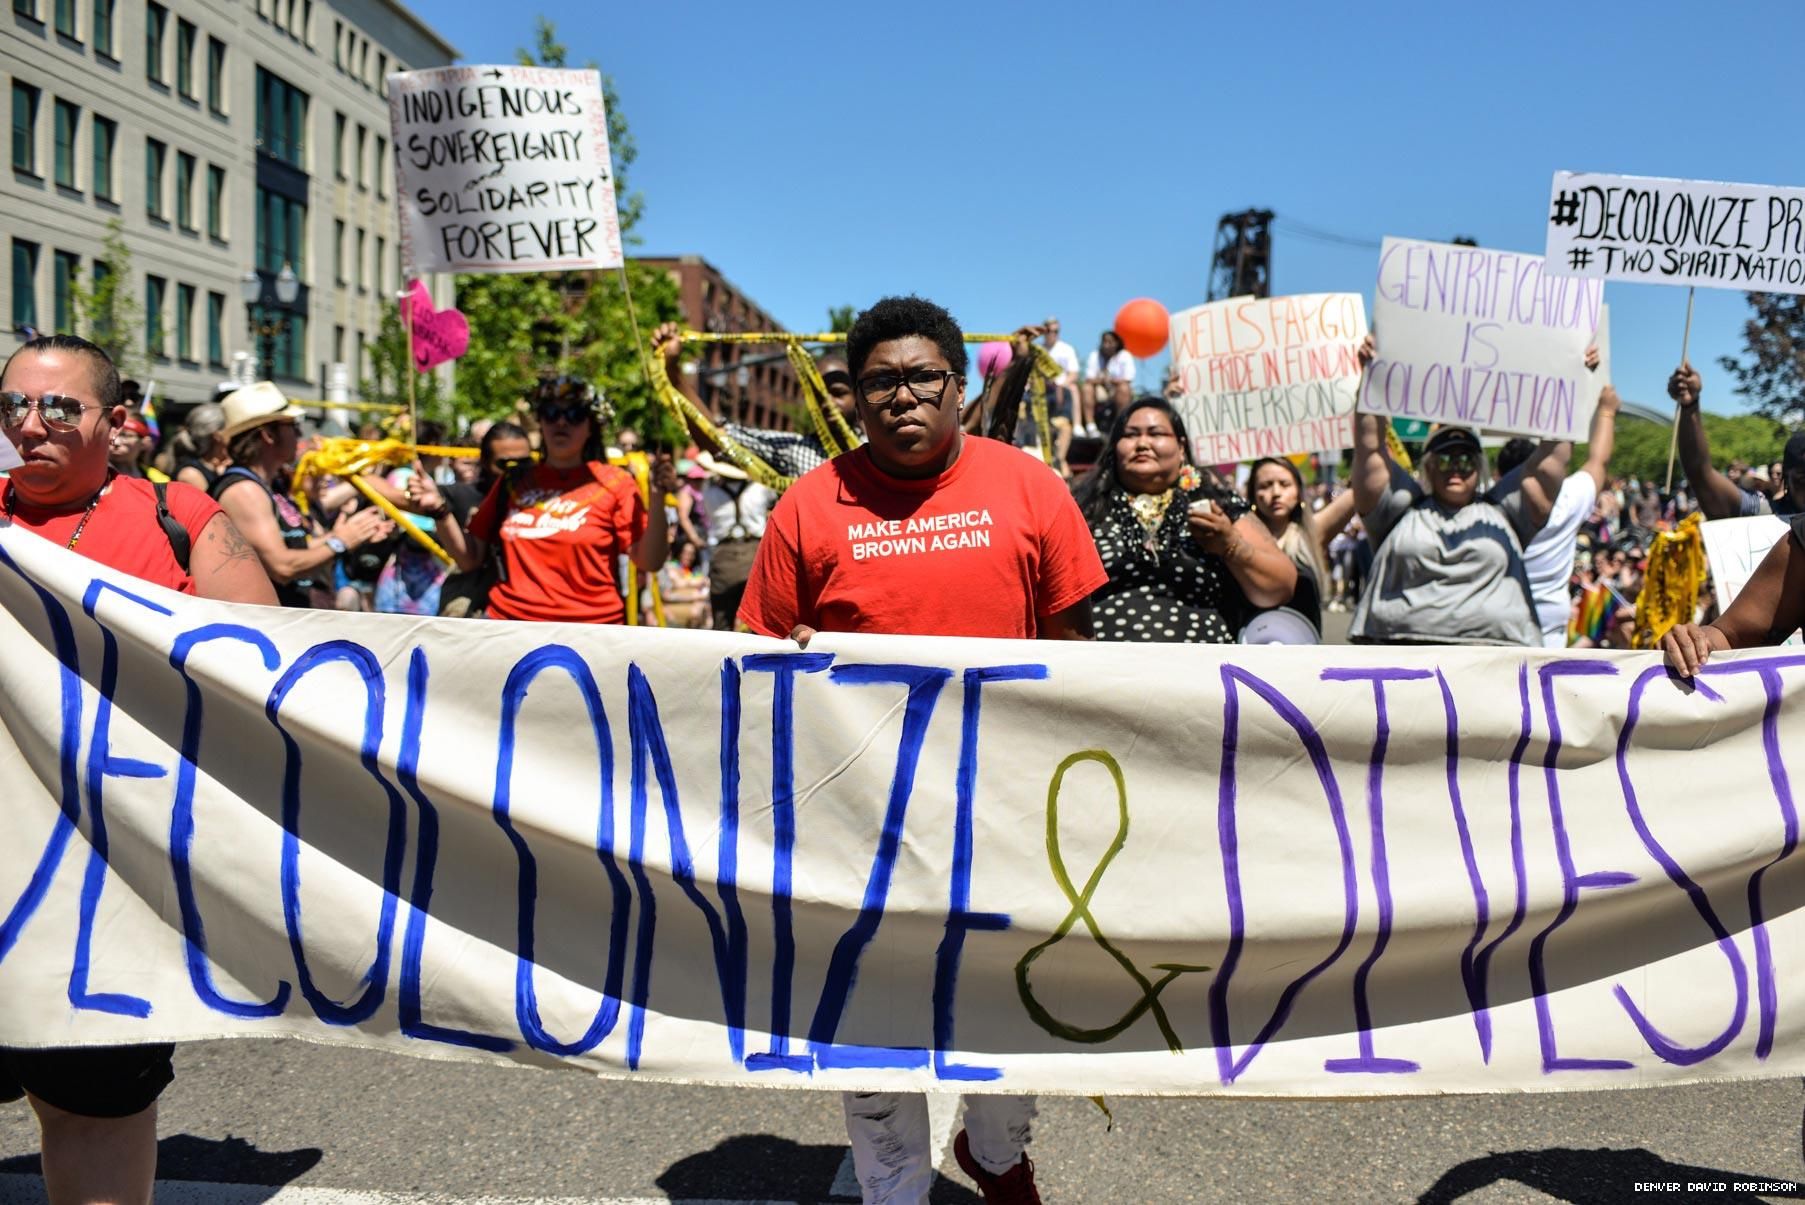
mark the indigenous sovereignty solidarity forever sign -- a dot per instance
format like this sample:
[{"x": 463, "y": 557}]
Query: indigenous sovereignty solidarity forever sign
[
  {"x": 503, "y": 169},
  {"x": 1269, "y": 376},
  {"x": 1678, "y": 232},
  {"x": 891, "y": 862},
  {"x": 1481, "y": 338}
]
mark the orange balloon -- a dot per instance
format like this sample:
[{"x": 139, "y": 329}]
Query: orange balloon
[{"x": 1143, "y": 326}]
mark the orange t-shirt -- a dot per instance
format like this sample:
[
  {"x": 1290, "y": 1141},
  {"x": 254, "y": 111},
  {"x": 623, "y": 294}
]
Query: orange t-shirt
[
  {"x": 987, "y": 548},
  {"x": 561, "y": 531}
]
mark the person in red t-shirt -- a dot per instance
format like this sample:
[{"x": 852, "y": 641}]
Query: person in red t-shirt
[
  {"x": 925, "y": 532},
  {"x": 559, "y": 527},
  {"x": 59, "y": 406}
]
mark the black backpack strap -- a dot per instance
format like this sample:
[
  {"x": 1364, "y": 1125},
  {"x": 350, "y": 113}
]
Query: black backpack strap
[{"x": 179, "y": 541}]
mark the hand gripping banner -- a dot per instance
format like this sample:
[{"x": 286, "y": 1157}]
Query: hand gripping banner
[{"x": 891, "y": 863}]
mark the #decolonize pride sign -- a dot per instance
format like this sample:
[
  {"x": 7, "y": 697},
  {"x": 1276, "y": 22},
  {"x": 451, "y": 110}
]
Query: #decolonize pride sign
[
  {"x": 887, "y": 862},
  {"x": 503, "y": 169},
  {"x": 1481, "y": 338},
  {"x": 1677, "y": 232}
]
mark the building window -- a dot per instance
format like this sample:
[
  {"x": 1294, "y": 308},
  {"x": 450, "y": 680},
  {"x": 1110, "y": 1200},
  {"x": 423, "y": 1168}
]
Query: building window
[
  {"x": 363, "y": 142},
  {"x": 358, "y": 267},
  {"x": 68, "y": 124},
  {"x": 216, "y": 330},
  {"x": 62, "y": 283},
  {"x": 156, "y": 25},
  {"x": 184, "y": 322},
  {"x": 338, "y": 45},
  {"x": 216, "y": 77},
  {"x": 65, "y": 18},
  {"x": 363, "y": 62},
  {"x": 338, "y": 145},
  {"x": 105, "y": 134},
  {"x": 184, "y": 190},
  {"x": 281, "y": 233},
  {"x": 154, "y": 289},
  {"x": 25, "y": 283},
  {"x": 156, "y": 154},
  {"x": 26, "y": 8},
  {"x": 382, "y": 73},
  {"x": 291, "y": 349},
  {"x": 281, "y": 119},
  {"x": 382, "y": 266},
  {"x": 338, "y": 253},
  {"x": 186, "y": 35},
  {"x": 103, "y": 27},
  {"x": 25, "y": 128},
  {"x": 382, "y": 167},
  {"x": 216, "y": 202},
  {"x": 307, "y": 23}
]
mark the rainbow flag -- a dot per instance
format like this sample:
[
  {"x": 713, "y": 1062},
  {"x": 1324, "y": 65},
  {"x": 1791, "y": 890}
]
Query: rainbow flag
[
  {"x": 148, "y": 411},
  {"x": 1598, "y": 606}
]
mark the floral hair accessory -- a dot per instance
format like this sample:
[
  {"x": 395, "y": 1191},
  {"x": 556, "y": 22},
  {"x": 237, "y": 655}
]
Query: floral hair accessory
[{"x": 1189, "y": 478}]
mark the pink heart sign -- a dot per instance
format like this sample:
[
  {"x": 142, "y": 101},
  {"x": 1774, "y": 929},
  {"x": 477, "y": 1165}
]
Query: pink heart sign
[{"x": 439, "y": 335}]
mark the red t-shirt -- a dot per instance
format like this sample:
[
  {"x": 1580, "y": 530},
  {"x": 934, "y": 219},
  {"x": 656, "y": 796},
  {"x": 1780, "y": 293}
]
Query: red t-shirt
[
  {"x": 123, "y": 533},
  {"x": 987, "y": 548},
  {"x": 561, "y": 531}
]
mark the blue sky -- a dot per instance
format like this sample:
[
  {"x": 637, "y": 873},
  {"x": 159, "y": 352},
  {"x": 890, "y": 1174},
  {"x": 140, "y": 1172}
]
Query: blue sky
[{"x": 1013, "y": 160}]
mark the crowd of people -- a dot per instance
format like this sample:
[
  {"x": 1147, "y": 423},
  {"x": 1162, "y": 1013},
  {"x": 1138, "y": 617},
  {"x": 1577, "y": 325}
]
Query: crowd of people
[{"x": 561, "y": 519}]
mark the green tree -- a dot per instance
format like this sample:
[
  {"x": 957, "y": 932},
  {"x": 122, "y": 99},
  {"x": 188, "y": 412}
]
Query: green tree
[
  {"x": 526, "y": 325},
  {"x": 389, "y": 366},
  {"x": 1641, "y": 449},
  {"x": 1771, "y": 373},
  {"x": 839, "y": 318},
  {"x": 107, "y": 312}
]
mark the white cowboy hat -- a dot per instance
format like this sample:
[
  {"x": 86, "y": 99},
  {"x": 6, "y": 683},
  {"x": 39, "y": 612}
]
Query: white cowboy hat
[
  {"x": 255, "y": 405},
  {"x": 721, "y": 468}
]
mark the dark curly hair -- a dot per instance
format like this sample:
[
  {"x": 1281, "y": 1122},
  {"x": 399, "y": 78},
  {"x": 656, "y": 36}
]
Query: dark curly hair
[
  {"x": 1097, "y": 489},
  {"x": 106, "y": 377},
  {"x": 898, "y": 318}
]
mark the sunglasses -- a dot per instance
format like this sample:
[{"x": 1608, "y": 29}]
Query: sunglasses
[
  {"x": 569, "y": 413},
  {"x": 1462, "y": 464},
  {"x": 58, "y": 412}
]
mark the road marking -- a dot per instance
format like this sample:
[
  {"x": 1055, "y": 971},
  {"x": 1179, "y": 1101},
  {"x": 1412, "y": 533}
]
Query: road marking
[{"x": 29, "y": 1190}]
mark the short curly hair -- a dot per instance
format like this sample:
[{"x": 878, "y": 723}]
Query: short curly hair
[{"x": 898, "y": 318}]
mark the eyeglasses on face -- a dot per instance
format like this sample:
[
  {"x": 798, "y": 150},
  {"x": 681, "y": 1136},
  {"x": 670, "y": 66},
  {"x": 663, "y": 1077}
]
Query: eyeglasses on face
[
  {"x": 58, "y": 412},
  {"x": 1462, "y": 464},
  {"x": 924, "y": 384}
]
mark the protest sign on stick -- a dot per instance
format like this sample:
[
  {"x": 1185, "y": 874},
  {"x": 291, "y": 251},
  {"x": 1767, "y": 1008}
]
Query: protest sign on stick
[
  {"x": 1269, "y": 376},
  {"x": 1481, "y": 338},
  {"x": 503, "y": 169},
  {"x": 1677, "y": 232}
]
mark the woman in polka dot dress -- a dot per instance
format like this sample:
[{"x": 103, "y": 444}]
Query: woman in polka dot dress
[{"x": 1187, "y": 561}]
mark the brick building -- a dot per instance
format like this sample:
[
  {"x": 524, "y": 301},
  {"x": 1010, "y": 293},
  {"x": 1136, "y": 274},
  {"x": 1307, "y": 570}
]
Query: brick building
[{"x": 752, "y": 385}]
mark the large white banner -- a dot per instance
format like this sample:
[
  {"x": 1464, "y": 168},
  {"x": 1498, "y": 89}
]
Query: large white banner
[
  {"x": 503, "y": 169},
  {"x": 1677, "y": 232},
  {"x": 975, "y": 865},
  {"x": 1269, "y": 376}
]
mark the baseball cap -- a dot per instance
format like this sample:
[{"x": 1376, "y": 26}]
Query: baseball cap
[{"x": 1452, "y": 439}]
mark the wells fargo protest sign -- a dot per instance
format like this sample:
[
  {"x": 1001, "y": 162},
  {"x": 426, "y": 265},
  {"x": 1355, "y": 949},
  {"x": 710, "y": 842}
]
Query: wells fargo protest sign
[
  {"x": 990, "y": 865},
  {"x": 1480, "y": 338},
  {"x": 503, "y": 169},
  {"x": 1678, "y": 232},
  {"x": 1269, "y": 376}
]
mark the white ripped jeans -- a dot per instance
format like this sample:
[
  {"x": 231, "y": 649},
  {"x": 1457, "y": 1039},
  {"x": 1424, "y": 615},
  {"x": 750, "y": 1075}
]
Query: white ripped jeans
[{"x": 891, "y": 1145}]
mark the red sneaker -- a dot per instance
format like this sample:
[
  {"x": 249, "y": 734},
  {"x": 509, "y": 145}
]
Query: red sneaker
[{"x": 1013, "y": 1187}]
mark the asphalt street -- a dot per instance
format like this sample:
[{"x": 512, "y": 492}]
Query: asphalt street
[{"x": 317, "y": 1118}]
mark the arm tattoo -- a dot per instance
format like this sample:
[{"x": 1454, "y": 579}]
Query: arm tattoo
[{"x": 232, "y": 544}]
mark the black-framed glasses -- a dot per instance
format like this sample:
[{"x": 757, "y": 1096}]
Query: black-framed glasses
[
  {"x": 58, "y": 411},
  {"x": 924, "y": 384},
  {"x": 1461, "y": 463}
]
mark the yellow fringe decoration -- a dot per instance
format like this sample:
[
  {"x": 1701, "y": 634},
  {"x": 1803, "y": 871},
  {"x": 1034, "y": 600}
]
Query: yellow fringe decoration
[
  {"x": 349, "y": 459},
  {"x": 640, "y": 466},
  {"x": 1676, "y": 571},
  {"x": 1395, "y": 446},
  {"x": 831, "y": 428}
]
